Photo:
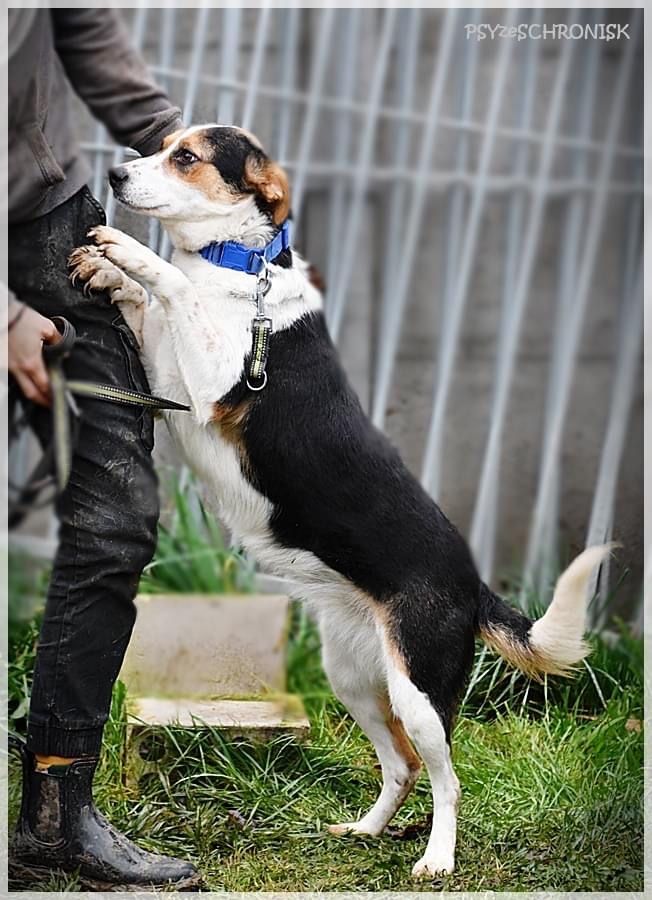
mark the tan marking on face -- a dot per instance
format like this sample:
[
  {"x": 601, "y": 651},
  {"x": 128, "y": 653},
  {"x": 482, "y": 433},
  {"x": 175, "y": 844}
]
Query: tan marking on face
[
  {"x": 171, "y": 138},
  {"x": 202, "y": 175},
  {"x": 269, "y": 180}
]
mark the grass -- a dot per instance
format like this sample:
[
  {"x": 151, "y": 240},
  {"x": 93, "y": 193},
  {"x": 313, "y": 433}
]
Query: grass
[
  {"x": 551, "y": 779},
  {"x": 192, "y": 556}
]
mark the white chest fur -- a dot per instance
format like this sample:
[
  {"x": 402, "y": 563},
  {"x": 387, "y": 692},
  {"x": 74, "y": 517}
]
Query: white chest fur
[{"x": 227, "y": 306}]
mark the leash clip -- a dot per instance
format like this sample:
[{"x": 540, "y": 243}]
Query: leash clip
[{"x": 261, "y": 328}]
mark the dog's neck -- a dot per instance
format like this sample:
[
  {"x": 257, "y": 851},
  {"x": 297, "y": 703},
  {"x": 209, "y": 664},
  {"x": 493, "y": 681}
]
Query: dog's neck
[{"x": 244, "y": 222}]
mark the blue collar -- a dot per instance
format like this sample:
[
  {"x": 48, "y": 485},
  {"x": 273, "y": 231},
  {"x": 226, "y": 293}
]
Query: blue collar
[{"x": 251, "y": 260}]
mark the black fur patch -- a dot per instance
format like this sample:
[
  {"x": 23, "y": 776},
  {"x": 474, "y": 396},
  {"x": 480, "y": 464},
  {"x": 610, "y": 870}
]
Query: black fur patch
[
  {"x": 341, "y": 491},
  {"x": 230, "y": 151}
]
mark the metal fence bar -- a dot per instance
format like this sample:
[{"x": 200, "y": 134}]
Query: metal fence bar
[
  {"x": 595, "y": 224},
  {"x": 457, "y": 203},
  {"x": 229, "y": 54},
  {"x": 601, "y": 524},
  {"x": 482, "y": 535},
  {"x": 256, "y": 66},
  {"x": 317, "y": 77},
  {"x": 569, "y": 252},
  {"x": 289, "y": 42},
  {"x": 395, "y": 114},
  {"x": 365, "y": 153},
  {"x": 431, "y": 471},
  {"x": 627, "y": 367},
  {"x": 166, "y": 58},
  {"x": 439, "y": 181},
  {"x": 119, "y": 153},
  {"x": 347, "y": 58},
  {"x": 197, "y": 57},
  {"x": 409, "y": 35},
  {"x": 411, "y": 234},
  {"x": 485, "y": 514}
]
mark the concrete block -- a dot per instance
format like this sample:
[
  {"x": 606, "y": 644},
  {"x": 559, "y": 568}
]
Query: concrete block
[{"x": 198, "y": 646}]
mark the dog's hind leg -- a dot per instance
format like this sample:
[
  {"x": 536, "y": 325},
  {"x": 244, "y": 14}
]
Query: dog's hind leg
[
  {"x": 429, "y": 732},
  {"x": 356, "y": 679}
]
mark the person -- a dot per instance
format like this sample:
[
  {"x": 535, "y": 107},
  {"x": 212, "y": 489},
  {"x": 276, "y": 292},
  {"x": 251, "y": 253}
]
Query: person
[{"x": 109, "y": 510}]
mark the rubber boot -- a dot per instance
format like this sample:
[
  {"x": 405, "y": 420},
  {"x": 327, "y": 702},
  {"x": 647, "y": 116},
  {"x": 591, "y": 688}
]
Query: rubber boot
[{"x": 60, "y": 829}]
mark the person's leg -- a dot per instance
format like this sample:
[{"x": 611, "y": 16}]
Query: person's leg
[
  {"x": 109, "y": 510},
  {"x": 108, "y": 515}
]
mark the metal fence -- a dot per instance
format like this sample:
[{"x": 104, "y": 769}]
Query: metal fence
[{"x": 388, "y": 120}]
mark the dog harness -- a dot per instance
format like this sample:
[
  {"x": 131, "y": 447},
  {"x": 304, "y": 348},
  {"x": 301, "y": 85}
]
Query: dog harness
[{"x": 253, "y": 261}]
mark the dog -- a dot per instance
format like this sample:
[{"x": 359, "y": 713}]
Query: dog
[{"x": 300, "y": 476}]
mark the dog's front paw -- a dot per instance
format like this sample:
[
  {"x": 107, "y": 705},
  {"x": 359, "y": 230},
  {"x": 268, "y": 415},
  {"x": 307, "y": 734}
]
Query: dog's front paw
[
  {"x": 105, "y": 236},
  {"x": 88, "y": 265},
  {"x": 434, "y": 866},
  {"x": 125, "y": 252}
]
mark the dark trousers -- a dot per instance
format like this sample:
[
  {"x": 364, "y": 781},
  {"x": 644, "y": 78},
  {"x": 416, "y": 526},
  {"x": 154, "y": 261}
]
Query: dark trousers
[{"x": 109, "y": 510}]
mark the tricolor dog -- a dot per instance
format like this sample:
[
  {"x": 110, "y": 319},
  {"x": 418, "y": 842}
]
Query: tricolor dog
[{"x": 300, "y": 476}]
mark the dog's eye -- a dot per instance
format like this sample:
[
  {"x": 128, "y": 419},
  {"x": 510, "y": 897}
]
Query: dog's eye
[{"x": 185, "y": 157}]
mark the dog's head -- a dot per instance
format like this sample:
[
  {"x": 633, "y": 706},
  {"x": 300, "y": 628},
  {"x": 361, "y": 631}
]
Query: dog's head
[{"x": 206, "y": 174}]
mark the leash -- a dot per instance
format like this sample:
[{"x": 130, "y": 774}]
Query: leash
[
  {"x": 253, "y": 261},
  {"x": 261, "y": 328},
  {"x": 66, "y": 418}
]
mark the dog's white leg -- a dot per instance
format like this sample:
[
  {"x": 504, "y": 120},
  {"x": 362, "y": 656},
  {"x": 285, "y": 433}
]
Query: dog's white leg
[
  {"x": 424, "y": 726},
  {"x": 204, "y": 357},
  {"x": 88, "y": 264},
  {"x": 367, "y": 702}
]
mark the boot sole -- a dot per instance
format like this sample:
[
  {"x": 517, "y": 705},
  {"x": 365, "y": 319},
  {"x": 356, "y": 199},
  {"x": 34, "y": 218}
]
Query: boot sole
[{"x": 19, "y": 872}]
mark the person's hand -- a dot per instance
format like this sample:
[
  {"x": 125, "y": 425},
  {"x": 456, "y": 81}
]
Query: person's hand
[{"x": 25, "y": 352}]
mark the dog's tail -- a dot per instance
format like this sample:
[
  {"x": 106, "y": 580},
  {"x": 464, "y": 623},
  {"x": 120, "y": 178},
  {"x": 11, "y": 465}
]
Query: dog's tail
[{"x": 554, "y": 644}]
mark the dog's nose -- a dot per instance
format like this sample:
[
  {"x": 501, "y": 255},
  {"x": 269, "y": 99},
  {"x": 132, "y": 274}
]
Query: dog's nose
[{"x": 118, "y": 175}]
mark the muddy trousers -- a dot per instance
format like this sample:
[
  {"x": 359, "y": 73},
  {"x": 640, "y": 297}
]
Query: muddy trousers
[{"x": 109, "y": 510}]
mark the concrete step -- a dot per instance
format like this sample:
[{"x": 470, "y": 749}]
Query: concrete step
[
  {"x": 238, "y": 718},
  {"x": 199, "y": 645}
]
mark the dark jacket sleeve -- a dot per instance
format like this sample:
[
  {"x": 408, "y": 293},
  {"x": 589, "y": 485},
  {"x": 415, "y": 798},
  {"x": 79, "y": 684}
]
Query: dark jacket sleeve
[{"x": 112, "y": 78}]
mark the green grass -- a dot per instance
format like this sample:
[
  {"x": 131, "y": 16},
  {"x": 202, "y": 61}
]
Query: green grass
[
  {"x": 192, "y": 556},
  {"x": 551, "y": 780}
]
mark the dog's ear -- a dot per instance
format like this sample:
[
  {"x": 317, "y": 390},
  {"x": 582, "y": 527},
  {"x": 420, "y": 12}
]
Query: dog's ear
[{"x": 269, "y": 180}]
